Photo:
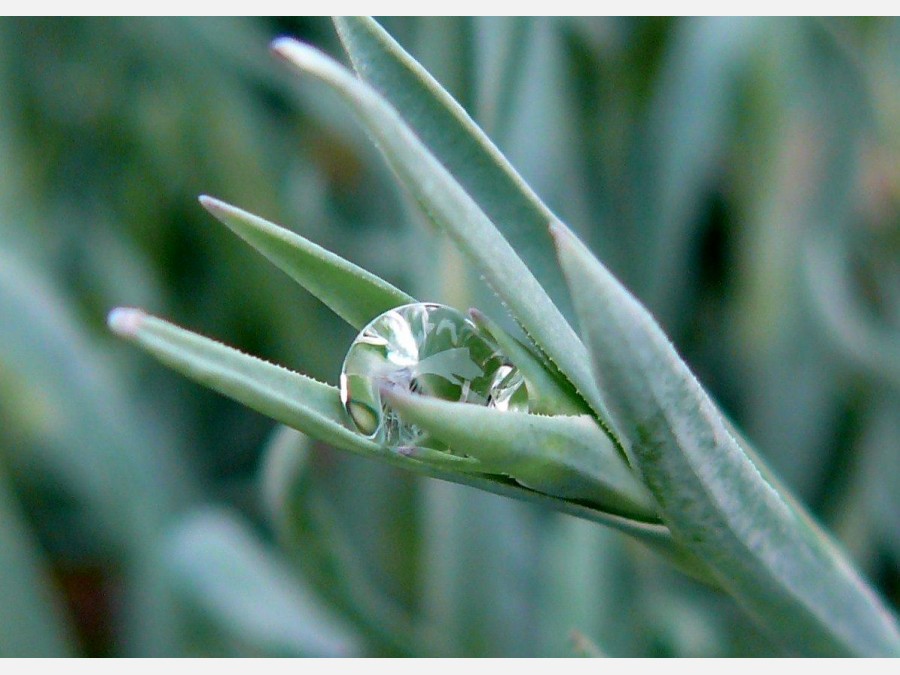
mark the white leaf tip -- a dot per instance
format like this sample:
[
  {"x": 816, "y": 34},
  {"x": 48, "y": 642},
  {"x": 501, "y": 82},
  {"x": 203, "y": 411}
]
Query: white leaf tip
[
  {"x": 306, "y": 58},
  {"x": 125, "y": 321},
  {"x": 212, "y": 204},
  {"x": 281, "y": 44},
  {"x": 291, "y": 50}
]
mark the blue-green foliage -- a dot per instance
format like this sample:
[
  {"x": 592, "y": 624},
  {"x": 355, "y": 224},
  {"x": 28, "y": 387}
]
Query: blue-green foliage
[{"x": 737, "y": 175}]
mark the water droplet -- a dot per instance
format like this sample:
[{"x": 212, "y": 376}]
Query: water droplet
[{"x": 431, "y": 350}]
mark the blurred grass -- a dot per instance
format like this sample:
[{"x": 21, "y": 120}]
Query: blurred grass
[{"x": 739, "y": 175}]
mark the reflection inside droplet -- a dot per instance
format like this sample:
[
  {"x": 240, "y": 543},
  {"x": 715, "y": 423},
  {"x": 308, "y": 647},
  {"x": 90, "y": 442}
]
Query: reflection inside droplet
[{"x": 431, "y": 350}]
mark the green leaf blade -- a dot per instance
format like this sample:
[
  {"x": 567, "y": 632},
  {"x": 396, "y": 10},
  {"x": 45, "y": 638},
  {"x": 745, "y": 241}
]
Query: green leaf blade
[
  {"x": 310, "y": 406},
  {"x": 293, "y": 399},
  {"x": 453, "y": 210},
  {"x": 578, "y": 477},
  {"x": 357, "y": 296},
  {"x": 564, "y": 456},
  {"x": 451, "y": 135},
  {"x": 780, "y": 568}
]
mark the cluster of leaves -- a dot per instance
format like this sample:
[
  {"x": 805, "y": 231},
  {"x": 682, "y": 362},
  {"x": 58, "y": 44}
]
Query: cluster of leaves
[{"x": 426, "y": 568}]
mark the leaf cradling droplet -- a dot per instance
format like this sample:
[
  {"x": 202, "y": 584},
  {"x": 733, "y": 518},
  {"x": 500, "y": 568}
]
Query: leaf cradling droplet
[{"x": 431, "y": 350}]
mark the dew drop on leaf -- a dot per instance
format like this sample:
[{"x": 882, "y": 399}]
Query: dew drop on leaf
[{"x": 430, "y": 350}]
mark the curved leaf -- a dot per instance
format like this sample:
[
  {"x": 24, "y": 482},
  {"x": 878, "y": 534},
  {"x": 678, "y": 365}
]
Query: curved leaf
[{"x": 568, "y": 457}]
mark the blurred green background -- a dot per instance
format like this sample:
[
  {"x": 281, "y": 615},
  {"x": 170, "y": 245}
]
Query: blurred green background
[{"x": 742, "y": 177}]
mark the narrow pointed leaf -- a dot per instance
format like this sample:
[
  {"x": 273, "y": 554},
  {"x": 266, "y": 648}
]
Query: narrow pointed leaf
[
  {"x": 357, "y": 296},
  {"x": 569, "y": 457},
  {"x": 451, "y": 135},
  {"x": 291, "y": 398},
  {"x": 453, "y": 210},
  {"x": 784, "y": 572},
  {"x": 312, "y": 407}
]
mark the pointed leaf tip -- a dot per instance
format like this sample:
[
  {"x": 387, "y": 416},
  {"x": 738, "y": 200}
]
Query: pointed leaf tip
[
  {"x": 353, "y": 293},
  {"x": 210, "y": 203},
  {"x": 280, "y": 45},
  {"x": 303, "y": 56},
  {"x": 217, "y": 208},
  {"x": 125, "y": 321}
]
